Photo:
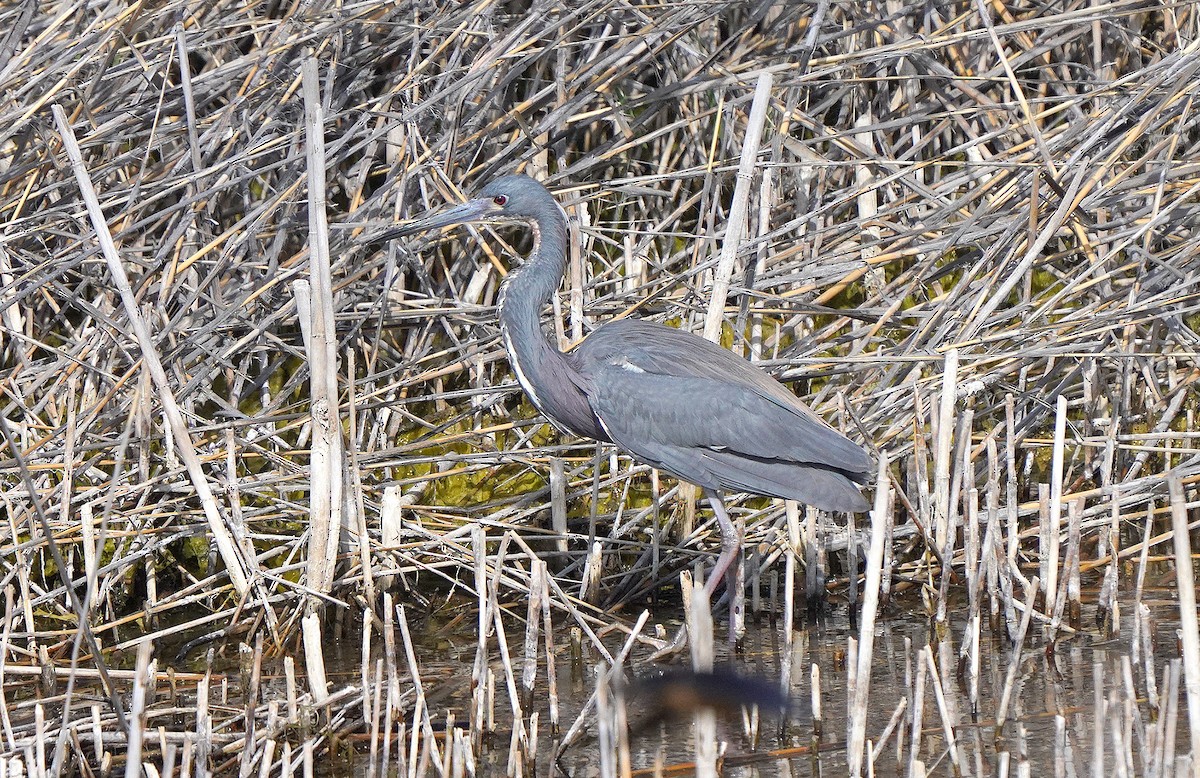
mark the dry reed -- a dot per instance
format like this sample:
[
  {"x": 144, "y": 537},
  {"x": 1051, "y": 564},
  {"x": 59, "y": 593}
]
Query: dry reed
[{"x": 969, "y": 230}]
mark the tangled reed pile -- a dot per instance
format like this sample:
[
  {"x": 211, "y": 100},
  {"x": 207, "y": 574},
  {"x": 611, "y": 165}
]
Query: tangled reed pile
[{"x": 971, "y": 245}]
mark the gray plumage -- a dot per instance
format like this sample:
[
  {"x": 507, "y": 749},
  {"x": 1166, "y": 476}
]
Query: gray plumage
[{"x": 671, "y": 399}]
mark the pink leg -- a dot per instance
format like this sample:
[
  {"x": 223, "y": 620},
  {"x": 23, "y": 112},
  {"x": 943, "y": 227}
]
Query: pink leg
[
  {"x": 731, "y": 542},
  {"x": 731, "y": 546}
]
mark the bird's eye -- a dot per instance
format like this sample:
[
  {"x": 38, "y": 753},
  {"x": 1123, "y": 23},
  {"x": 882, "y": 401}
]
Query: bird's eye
[{"x": 500, "y": 200}]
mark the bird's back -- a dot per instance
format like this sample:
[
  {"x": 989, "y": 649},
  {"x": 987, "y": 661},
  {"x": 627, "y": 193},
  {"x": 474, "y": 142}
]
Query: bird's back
[{"x": 703, "y": 413}]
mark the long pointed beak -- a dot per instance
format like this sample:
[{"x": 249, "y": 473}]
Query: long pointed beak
[{"x": 471, "y": 211}]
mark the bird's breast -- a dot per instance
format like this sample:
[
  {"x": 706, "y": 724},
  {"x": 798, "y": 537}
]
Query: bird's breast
[
  {"x": 554, "y": 385},
  {"x": 515, "y": 359}
]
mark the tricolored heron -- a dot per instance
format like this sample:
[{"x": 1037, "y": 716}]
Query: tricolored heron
[{"x": 669, "y": 398}]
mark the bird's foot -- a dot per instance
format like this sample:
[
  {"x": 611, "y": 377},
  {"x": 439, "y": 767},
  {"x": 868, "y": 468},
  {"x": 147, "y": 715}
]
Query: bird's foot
[{"x": 677, "y": 644}]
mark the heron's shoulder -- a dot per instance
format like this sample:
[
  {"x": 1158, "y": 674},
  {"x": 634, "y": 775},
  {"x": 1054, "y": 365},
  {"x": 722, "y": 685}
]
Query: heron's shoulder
[
  {"x": 623, "y": 335},
  {"x": 639, "y": 346},
  {"x": 651, "y": 347},
  {"x": 657, "y": 348}
]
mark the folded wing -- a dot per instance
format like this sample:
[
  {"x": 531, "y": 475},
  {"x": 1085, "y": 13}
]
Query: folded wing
[{"x": 704, "y": 414}]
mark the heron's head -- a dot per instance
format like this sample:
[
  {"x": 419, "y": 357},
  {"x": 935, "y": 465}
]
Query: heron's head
[{"x": 507, "y": 199}]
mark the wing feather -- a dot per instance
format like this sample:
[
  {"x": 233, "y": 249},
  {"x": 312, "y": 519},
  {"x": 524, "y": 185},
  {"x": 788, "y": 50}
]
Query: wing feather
[{"x": 650, "y": 383}]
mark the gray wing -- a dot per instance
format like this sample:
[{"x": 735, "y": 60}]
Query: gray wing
[{"x": 702, "y": 413}]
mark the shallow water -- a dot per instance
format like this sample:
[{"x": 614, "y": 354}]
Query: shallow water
[{"x": 1051, "y": 679}]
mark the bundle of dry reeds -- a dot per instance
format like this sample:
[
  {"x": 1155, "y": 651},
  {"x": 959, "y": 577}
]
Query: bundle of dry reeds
[{"x": 230, "y": 416}]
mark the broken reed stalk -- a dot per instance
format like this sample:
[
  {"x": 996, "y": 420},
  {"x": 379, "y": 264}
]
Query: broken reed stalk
[
  {"x": 1189, "y": 628},
  {"x": 738, "y": 208},
  {"x": 606, "y": 737},
  {"x": 790, "y": 662},
  {"x": 138, "y": 708},
  {"x": 421, "y": 713},
  {"x": 1051, "y": 549},
  {"x": 1014, "y": 663},
  {"x": 942, "y": 471},
  {"x": 149, "y": 356},
  {"x": 865, "y": 656},
  {"x": 321, "y": 345},
  {"x": 700, "y": 644}
]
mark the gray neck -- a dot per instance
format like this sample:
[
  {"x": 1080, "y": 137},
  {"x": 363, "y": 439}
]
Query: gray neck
[{"x": 523, "y": 296}]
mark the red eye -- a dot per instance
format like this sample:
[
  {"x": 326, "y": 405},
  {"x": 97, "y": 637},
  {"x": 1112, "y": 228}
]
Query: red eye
[{"x": 500, "y": 200}]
